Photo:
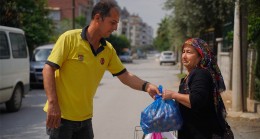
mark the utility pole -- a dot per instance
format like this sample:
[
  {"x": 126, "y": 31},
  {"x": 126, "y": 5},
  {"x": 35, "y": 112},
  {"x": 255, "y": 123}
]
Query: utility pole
[
  {"x": 244, "y": 52},
  {"x": 73, "y": 14},
  {"x": 251, "y": 80},
  {"x": 236, "y": 67}
]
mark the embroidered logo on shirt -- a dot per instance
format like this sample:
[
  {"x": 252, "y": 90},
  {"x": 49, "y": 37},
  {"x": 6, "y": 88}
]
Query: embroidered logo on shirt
[
  {"x": 80, "y": 57},
  {"x": 102, "y": 61}
]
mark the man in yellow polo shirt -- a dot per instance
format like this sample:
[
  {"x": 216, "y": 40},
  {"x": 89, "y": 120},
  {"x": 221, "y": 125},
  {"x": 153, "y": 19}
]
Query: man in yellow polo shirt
[{"x": 74, "y": 70}]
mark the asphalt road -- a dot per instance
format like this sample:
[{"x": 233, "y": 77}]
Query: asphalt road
[
  {"x": 29, "y": 122},
  {"x": 117, "y": 110}
]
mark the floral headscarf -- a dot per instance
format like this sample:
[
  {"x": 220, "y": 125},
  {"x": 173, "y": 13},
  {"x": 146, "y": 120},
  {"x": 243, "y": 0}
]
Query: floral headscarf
[{"x": 208, "y": 62}]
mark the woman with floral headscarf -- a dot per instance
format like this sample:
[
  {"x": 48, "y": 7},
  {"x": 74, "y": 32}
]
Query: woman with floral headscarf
[{"x": 199, "y": 98}]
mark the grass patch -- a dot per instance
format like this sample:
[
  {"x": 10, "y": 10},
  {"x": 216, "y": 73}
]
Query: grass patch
[{"x": 181, "y": 75}]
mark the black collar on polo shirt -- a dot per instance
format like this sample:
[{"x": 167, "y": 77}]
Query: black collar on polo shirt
[{"x": 102, "y": 41}]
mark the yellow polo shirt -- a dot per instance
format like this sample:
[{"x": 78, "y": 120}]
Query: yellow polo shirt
[{"x": 80, "y": 70}]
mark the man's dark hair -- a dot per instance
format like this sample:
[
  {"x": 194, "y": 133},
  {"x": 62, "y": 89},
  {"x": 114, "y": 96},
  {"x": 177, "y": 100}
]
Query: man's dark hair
[{"x": 103, "y": 8}]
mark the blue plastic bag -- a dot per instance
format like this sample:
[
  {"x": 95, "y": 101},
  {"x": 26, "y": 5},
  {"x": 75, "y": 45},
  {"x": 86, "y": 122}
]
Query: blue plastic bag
[{"x": 161, "y": 116}]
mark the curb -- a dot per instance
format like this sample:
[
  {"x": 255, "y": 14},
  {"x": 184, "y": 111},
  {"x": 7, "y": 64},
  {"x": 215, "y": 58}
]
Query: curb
[{"x": 227, "y": 99}]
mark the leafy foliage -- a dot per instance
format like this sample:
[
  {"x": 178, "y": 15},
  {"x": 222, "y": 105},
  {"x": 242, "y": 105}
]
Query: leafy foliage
[
  {"x": 9, "y": 14},
  {"x": 119, "y": 42},
  {"x": 254, "y": 20},
  {"x": 190, "y": 18},
  {"x": 66, "y": 24},
  {"x": 31, "y": 16},
  {"x": 254, "y": 38},
  {"x": 162, "y": 41}
]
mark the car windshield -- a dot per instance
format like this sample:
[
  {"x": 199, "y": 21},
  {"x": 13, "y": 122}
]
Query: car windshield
[
  {"x": 167, "y": 54},
  {"x": 41, "y": 55},
  {"x": 125, "y": 53}
]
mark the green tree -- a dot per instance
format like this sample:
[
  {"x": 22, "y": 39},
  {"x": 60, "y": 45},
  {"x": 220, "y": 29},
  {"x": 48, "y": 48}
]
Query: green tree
[
  {"x": 31, "y": 16},
  {"x": 162, "y": 41},
  {"x": 254, "y": 29},
  {"x": 254, "y": 38},
  {"x": 80, "y": 21},
  {"x": 119, "y": 42},
  {"x": 9, "y": 13},
  {"x": 190, "y": 18},
  {"x": 66, "y": 24}
]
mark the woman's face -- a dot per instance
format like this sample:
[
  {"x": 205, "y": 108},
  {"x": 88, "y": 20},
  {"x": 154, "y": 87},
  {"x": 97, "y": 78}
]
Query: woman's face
[{"x": 190, "y": 57}]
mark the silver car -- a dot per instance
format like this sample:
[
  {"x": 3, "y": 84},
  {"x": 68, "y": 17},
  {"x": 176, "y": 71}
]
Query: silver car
[
  {"x": 40, "y": 56},
  {"x": 126, "y": 57}
]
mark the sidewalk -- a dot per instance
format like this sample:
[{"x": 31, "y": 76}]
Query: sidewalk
[{"x": 244, "y": 125}]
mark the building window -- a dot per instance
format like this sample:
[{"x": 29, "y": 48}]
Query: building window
[{"x": 54, "y": 15}]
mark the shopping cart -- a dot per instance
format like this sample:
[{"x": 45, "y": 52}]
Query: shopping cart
[{"x": 138, "y": 133}]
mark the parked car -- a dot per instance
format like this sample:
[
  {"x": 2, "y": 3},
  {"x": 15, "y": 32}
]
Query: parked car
[
  {"x": 167, "y": 57},
  {"x": 126, "y": 57},
  {"x": 141, "y": 54},
  {"x": 38, "y": 59},
  {"x": 14, "y": 67}
]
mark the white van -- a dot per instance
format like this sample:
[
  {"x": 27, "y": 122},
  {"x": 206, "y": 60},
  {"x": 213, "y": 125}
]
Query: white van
[{"x": 14, "y": 67}]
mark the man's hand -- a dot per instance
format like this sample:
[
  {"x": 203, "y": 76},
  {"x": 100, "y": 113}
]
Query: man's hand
[
  {"x": 152, "y": 90},
  {"x": 53, "y": 116}
]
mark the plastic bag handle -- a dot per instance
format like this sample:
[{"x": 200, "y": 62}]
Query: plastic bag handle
[{"x": 160, "y": 88}]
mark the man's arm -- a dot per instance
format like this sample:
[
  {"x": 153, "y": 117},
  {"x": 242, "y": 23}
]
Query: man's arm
[
  {"x": 53, "y": 112},
  {"x": 136, "y": 83}
]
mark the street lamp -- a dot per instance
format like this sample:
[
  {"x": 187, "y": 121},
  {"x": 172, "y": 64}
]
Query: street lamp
[{"x": 73, "y": 14}]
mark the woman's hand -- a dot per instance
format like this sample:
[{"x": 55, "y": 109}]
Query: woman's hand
[
  {"x": 184, "y": 99},
  {"x": 168, "y": 94}
]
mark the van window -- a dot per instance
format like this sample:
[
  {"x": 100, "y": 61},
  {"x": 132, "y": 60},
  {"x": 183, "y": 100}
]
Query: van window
[
  {"x": 18, "y": 45},
  {"x": 4, "y": 49}
]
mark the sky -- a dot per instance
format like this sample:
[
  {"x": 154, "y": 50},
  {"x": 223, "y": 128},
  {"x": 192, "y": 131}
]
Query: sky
[{"x": 151, "y": 11}]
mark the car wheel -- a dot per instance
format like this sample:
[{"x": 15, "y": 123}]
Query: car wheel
[
  {"x": 14, "y": 104},
  {"x": 160, "y": 63}
]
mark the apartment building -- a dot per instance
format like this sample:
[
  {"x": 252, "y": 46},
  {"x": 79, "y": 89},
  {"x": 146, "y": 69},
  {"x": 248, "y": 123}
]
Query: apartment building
[
  {"x": 131, "y": 25},
  {"x": 64, "y": 9},
  {"x": 140, "y": 33}
]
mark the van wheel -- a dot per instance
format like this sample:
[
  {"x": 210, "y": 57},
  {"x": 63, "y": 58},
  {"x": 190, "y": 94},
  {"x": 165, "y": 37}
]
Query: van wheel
[{"x": 14, "y": 104}]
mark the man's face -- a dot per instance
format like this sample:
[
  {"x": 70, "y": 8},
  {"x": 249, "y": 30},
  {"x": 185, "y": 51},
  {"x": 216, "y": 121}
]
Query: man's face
[{"x": 109, "y": 24}]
